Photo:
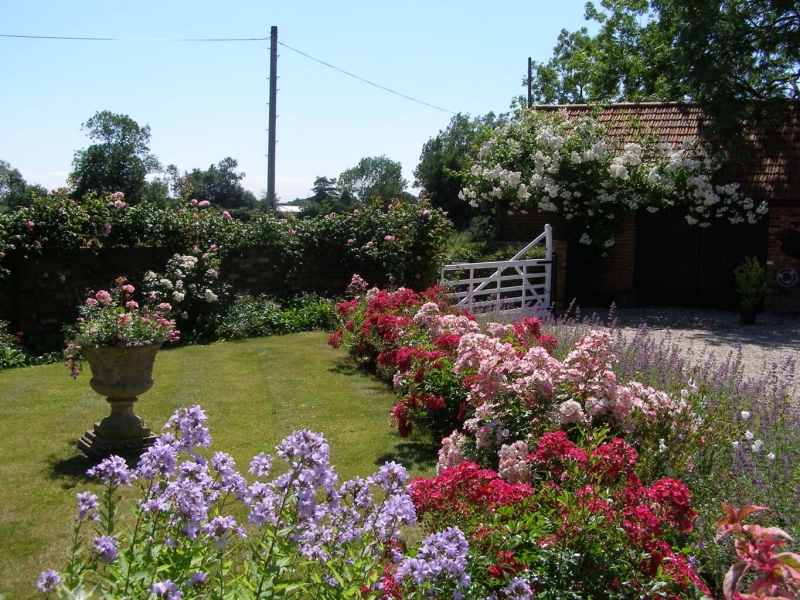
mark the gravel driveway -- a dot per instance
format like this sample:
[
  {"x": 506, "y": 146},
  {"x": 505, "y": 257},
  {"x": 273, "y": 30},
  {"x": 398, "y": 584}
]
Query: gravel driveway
[{"x": 771, "y": 340}]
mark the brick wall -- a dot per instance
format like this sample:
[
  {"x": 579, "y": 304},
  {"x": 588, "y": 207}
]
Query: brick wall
[
  {"x": 781, "y": 299},
  {"x": 44, "y": 292}
]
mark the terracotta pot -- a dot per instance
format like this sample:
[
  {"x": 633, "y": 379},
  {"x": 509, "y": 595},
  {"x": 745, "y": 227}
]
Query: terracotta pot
[{"x": 120, "y": 374}]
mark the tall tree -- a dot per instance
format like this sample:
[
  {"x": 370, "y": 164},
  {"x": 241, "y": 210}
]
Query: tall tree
[
  {"x": 220, "y": 184},
  {"x": 324, "y": 189},
  {"x": 118, "y": 162},
  {"x": 723, "y": 54},
  {"x": 15, "y": 192},
  {"x": 377, "y": 175},
  {"x": 444, "y": 156}
]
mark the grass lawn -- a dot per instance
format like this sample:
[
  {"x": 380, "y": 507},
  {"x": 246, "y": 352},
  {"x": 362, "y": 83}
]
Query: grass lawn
[{"x": 255, "y": 392}]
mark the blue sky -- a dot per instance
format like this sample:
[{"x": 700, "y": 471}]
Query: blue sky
[{"x": 206, "y": 101}]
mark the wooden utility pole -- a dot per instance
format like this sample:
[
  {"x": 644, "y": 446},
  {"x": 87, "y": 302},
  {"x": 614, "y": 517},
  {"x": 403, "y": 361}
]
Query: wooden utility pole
[
  {"x": 273, "y": 93},
  {"x": 530, "y": 73}
]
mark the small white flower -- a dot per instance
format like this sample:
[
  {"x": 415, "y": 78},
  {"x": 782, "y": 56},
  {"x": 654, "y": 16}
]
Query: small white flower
[
  {"x": 757, "y": 446},
  {"x": 735, "y": 445},
  {"x": 210, "y": 296},
  {"x": 745, "y": 415},
  {"x": 684, "y": 393},
  {"x": 177, "y": 296},
  {"x": 184, "y": 315},
  {"x": 662, "y": 447},
  {"x": 693, "y": 387},
  {"x": 771, "y": 456},
  {"x": 749, "y": 435}
]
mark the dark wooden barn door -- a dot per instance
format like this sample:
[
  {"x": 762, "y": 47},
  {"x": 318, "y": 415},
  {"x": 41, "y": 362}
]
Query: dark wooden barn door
[{"x": 678, "y": 264}]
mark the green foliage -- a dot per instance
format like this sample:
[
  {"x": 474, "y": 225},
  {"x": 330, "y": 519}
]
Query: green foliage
[
  {"x": 14, "y": 190},
  {"x": 374, "y": 176},
  {"x": 445, "y": 156},
  {"x": 263, "y": 316},
  {"x": 723, "y": 54},
  {"x": 220, "y": 184},
  {"x": 751, "y": 282},
  {"x": 119, "y": 161}
]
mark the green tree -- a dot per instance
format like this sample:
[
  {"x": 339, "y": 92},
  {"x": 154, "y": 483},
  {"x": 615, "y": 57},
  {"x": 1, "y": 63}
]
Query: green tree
[
  {"x": 221, "y": 185},
  {"x": 324, "y": 189},
  {"x": 442, "y": 159},
  {"x": 120, "y": 160},
  {"x": 377, "y": 175},
  {"x": 15, "y": 192},
  {"x": 723, "y": 54}
]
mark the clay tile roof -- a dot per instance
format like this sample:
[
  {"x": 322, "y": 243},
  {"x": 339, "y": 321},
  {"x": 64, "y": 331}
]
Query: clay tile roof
[{"x": 774, "y": 172}]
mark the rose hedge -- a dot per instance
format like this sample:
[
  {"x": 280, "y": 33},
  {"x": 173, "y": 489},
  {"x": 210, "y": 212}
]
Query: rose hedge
[{"x": 401, "y": 243}]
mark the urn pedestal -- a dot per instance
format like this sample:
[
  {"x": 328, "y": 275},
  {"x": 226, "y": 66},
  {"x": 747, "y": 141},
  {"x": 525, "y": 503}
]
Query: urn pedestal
[{"x": 120, "y": 374}]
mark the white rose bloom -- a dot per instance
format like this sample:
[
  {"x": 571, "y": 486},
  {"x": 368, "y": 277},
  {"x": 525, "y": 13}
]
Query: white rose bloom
[
  {"x": 211, "y": 296},
  {"x": 177, "y": 296},
  {"x": 166, "y": 283}
]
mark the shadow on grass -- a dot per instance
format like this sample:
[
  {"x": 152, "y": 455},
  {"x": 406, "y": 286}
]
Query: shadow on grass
[
  {"x": 70, "y": 472},
  {"x": 421, "y": 455},
  {"x": 349, "y": 367}
]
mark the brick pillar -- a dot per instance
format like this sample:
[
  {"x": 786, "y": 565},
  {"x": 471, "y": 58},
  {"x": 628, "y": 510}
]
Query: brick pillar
[{"x": 777, "y": 298}]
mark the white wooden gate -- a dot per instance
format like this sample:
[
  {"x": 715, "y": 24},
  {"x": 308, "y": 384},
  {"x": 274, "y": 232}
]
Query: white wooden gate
[{"x": 514, "y": 288}]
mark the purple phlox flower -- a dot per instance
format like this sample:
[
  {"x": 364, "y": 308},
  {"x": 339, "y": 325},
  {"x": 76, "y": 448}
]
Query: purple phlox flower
[
  {"x": 192, "y": 494},
  {"x": 304, "y": 449},
  {"x": 263, "y": 503},
  {"x": 87, "y": 507},
  {"x": 441, "y": 554},
  {"x": 112, "y": 471},
  {"x": 518, "y": 589},
  {"x": 260, "y": 465},
  {"x": 48, "y": 581},
  {"x": 397, "y": 510},
  {"x": 390, "y": 478},
  {"x": 168, "y": 589},
  {"x": 198, "y": 578},
  {"x": 190, "y": 429},
  {"x": 106, "y": 548},
  {"x": 229, "y": 478},
  {"x": 220, "y": 528},
  {"x": 160, "y": 459},
  {"x": 357, "y": 489}
]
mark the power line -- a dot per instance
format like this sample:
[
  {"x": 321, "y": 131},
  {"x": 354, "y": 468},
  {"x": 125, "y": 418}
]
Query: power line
[
  {"x": 103, "y": 39},
  {"x": 365, "y": 80},
  {"x": 264, "y": 39}
]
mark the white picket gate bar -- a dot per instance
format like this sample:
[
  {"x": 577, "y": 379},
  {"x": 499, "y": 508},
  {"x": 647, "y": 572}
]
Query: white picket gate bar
[{"x": 514, "y": 288}]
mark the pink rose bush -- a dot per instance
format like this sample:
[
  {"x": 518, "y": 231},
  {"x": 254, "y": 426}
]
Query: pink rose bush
[{"x": 115, "y": 320}]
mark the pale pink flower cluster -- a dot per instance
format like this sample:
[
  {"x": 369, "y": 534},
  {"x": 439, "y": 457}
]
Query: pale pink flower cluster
[
  {"x": 491, "y": 361},
  {"x": 451, "y": 452},
  {"x": 431, "y": 319},
  {"x": 513, "y": 466}
]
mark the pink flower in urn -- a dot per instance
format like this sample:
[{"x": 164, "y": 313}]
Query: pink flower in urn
[
  {"x": 164, "y": 306},
  {"x": 124, "y": 320},
  {"x": 118, "y": 195},
  {"x": 203, "y": 204},
  {"x": 107, "y": 227},
  {"x": 389, "y": 238},
  {"x": 129, "y": 289},
  {"x": 91, "y": 302},
  {"x": 193, "y": 202},
  {"x": 226, "y": 215},
  {"x": 31, "y": 225},
  {"x": 131, "y": 304},
  {"x": 103, "y": 297},
  {"x": 119, "y": 204}
]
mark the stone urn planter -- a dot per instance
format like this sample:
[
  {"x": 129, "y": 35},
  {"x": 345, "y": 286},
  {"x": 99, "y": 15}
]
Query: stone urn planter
[{"x": 120, "y": 374}]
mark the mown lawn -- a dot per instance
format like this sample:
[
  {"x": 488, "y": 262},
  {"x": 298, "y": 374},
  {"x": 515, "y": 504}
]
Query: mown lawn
[{"x": 255, "y": 392}]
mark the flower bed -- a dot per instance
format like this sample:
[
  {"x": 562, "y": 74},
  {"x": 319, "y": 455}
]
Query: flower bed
[{"x": 501, "y": 391}]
